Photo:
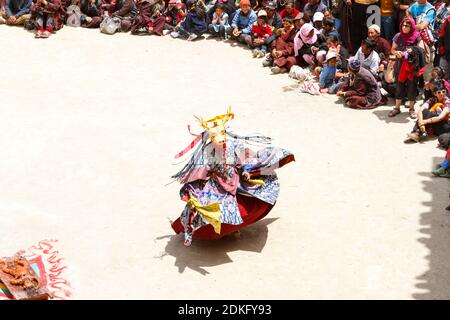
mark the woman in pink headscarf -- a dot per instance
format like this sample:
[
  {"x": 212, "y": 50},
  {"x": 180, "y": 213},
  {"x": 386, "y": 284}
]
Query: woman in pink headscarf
[
  {"x": 310, "y": 45},
  {"x": 407, "y": 37}
]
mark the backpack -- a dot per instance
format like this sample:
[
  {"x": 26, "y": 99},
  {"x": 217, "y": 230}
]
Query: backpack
[
  {"x": 428, "y": 35},
  {"x": 73, "y": 16},
  {"x": 298, "y": 73},
  {"x": 110, "y": 25}
]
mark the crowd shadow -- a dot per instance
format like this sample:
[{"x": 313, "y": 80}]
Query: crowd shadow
[
  {"x": 203, "y": 253},
  {"x": 383, "y": 115},
  {"x": 435, "y": 229}
]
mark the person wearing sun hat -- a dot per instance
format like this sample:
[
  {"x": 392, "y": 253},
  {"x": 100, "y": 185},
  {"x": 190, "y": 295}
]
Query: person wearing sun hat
[
  {"x": 261, "y": 31},
  {"x": 383, "y": 47},
  {"x": 273, "y": 17},
  {"x": 241, "y": 25},
  {"x": 361, "y": 91},
  {"x": 326, "y": 78},
  {"x": 318, "y": 20}
]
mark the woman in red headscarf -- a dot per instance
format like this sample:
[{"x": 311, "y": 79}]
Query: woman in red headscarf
[{"x": 402, "y": 43}]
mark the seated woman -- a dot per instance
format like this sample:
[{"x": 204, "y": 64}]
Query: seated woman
[
  {"x": 362, "y": 91},
  {"x": 282, "y": 54},
  {"x": 92, "y": 14},
  {"x": 388, "y": 82},
  {"x": 149, "y": 19},
  {"x": 174, "y": 14},
  {"x": 407, "y": 37},
  {"x": 310, "y": 45},
  {"x": 368, "y": 56},
  {"x": 433, "y": 115},
  {"x": 195, "y": 23},
  {"x": 48, "y": 15},
  {"x": 125, "y": 10}
]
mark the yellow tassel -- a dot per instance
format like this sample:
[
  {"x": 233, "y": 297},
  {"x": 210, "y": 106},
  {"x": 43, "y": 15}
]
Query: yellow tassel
[
  {"x": 210, "y": 212},
  {"x": 256, "y": 181}
]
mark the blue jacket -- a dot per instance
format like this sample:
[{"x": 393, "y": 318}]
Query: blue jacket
[
  {"x": 244, "y": 23},
  {"x": 327, "y": 76},
  {"x": 18, "y": 8}
]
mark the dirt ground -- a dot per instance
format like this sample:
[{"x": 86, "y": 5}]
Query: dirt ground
[{"x": 88, "y": 129}]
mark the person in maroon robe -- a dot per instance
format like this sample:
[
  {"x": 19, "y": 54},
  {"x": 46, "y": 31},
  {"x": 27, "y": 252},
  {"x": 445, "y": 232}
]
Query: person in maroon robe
[
  {"x": 149, "y": 18},
  {"x": 49, "y": 16},
  {"x": 362, "y": 91},
  {"x": 92, "y": 13},
  {"x": 282, "y": 55}
]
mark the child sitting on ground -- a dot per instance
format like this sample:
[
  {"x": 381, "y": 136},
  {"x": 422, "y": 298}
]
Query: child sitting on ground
[
  {"x": 219, "y": 23},
  {"x": 260, "y": 32},
  {"x": 195, "y": 23},
  {"x": 328, "y": 72}
]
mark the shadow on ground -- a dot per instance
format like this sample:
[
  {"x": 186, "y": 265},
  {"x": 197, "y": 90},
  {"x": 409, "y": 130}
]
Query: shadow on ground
[
  {"x": 435, "y": 223},
  {"x": 205, "y": 253},
  {"x": 403, "y": 117},
  {"x": 291, "y": 87}
]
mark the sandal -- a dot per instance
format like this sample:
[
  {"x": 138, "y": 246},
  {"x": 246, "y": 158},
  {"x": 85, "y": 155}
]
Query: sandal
[
  {"x": 412, "y": 114},
  {"x": 394, "y": 112},
  {"x": 38, "y": 34}
]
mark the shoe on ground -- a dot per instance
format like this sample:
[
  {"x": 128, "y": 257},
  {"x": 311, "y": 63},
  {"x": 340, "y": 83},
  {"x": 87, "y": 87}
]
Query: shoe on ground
[
  {"x": 38, "y": 34},
  {"x": 174, "y": 34},
  {"x": 414, "y": 136},
  {"x": 192, "y": 37},
  {"x": 2, "y": 20},
  {"x": 261, "y": 54},
  {"x": 255, "y": 53},
  {"x": 267, "y": 63},
  {"x": 166, "y": 32},
  {"x": 439, "y": 172},
  {"x": 278, "y": 70}
]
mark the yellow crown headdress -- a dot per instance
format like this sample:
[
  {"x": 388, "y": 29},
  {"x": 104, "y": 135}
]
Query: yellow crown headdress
[{"x": 216, "y": 126}]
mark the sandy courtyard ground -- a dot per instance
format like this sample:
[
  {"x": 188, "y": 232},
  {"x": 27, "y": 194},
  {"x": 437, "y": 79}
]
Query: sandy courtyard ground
[{"x": 88, "y": 129}]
